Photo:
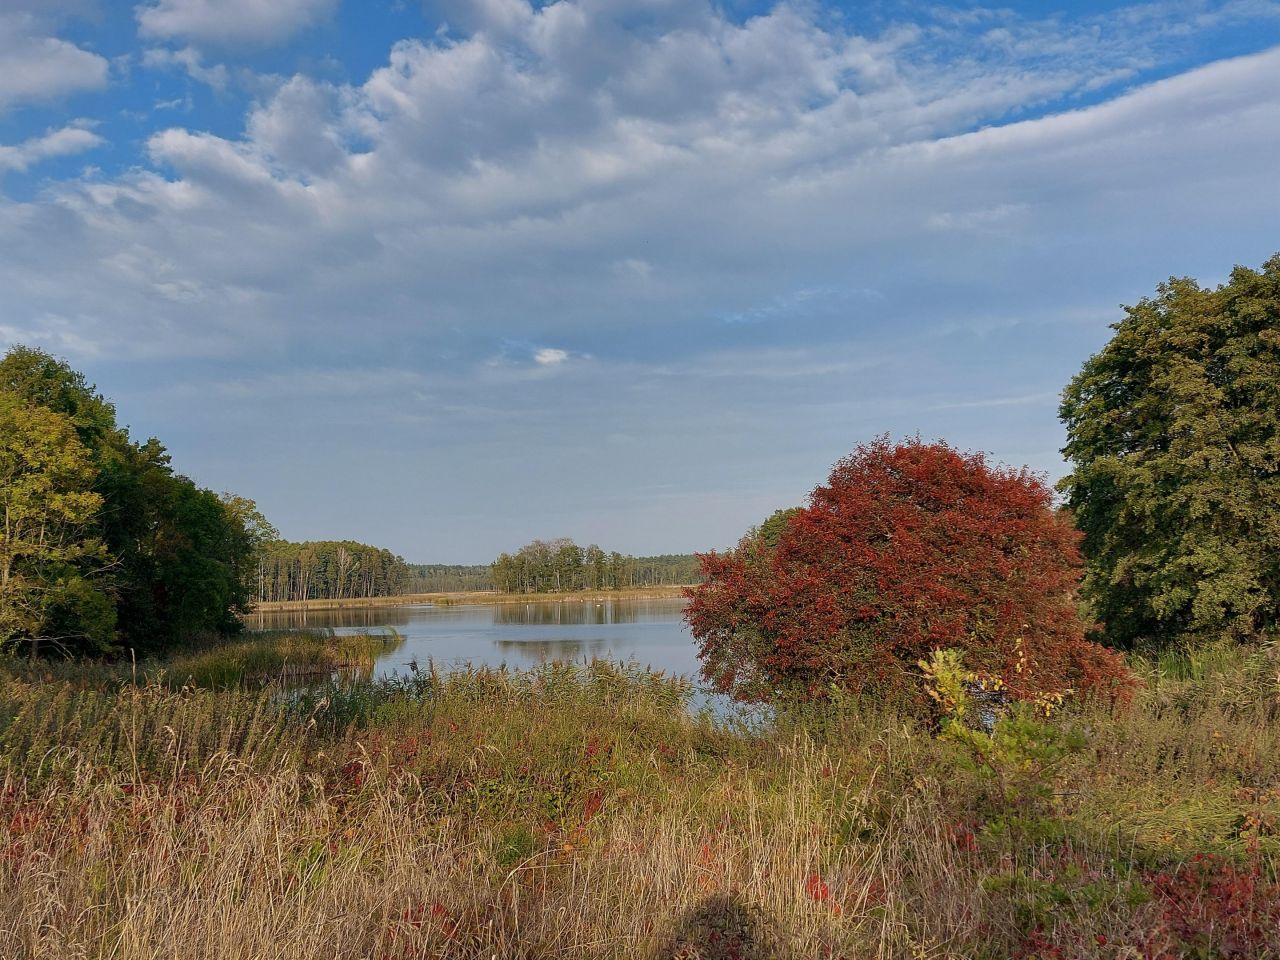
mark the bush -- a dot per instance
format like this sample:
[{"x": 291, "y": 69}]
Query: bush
[{"x": 909, "y": 548}]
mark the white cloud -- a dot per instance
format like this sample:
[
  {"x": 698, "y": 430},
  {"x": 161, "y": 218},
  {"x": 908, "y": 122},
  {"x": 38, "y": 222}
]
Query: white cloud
[
  {"x": 634, "y": 269},
  {"x": 299, "y": 128},
  {"x": 189, "y": 60},
  {"x": 56, "y": 143},
  {"x": 550, "y": 356},
  {"x": 903, "y": 215},
  {"x": 37, "y": 67},
  {"x": 225, "y": 22},
  {"x": 556, "y": 172}
]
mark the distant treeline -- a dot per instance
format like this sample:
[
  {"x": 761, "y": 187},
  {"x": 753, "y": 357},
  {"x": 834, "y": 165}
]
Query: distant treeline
[
  {"x": 335, "y": 570},
  {"x": 553, "y": 566},
  {"x": 450, "y": 577},
  {"x": 329, "y": 570}
]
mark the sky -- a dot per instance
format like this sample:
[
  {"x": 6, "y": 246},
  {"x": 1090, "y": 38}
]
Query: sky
[{"x": 446, "y": 277}]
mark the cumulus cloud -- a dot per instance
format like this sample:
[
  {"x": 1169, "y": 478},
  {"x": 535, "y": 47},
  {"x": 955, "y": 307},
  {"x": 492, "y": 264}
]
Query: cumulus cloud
[
  {"x": 887, "y": 216},
  {"x": 300, "y": 128},
  {"x": 36, "y": 66},
  {"x": 55, "y": 143},
  {"x": 225, "y": 22},
  {"x": 556, "y": 169}
]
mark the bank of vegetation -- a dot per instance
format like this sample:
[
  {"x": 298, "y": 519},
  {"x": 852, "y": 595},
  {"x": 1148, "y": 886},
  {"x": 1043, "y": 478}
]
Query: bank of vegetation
[
  {"x": 328, "y": 570},
  {"x": 561, "y": 566},
  {"x": 585, "y": 813},
  {"x": 264, "y": 613},
  {"x": 451, "y": 578},
  {"x": 104, "y": 547}
]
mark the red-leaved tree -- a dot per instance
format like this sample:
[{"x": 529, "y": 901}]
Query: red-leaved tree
[{"x": 908, "y": 548}]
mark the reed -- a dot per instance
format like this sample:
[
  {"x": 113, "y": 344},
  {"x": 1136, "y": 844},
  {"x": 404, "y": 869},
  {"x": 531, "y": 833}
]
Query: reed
[{"x": 583, "y": 811}]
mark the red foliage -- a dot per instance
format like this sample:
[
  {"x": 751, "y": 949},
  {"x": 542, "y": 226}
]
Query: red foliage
[
  {"x": 1212, "y": 904},
  {"x": 908, "y": 548},
  {"x": 817, "y": 888}
]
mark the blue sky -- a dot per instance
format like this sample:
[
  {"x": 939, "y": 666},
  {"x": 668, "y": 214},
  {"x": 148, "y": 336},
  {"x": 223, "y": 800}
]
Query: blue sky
[{"x": 449, "y": 276}]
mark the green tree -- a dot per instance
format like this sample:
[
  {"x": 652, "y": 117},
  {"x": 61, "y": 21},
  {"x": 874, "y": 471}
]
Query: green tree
[
  {"x": 47, "y": 548},
  {"x": 1172, "y": 430},
  {"x": 323, "y": 569},
  {"x": 770, "y": 532},
  {"x": 542, "y": 566},
  {"x": 43, "y": 380},
  {"x": 181, "y": 561}
]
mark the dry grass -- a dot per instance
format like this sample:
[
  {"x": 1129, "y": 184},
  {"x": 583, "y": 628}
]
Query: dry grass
[{"x": 584, "y": 813}]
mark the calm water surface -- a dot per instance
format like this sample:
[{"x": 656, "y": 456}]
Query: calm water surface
[{"x": 648, "y": 632}]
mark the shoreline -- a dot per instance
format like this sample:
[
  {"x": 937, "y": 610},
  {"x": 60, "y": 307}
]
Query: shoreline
[{"x": 467, "y": 597}]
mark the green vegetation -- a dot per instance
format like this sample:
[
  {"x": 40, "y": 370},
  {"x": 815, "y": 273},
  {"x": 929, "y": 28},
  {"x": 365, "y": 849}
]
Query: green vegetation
[
  {"x": 1173, "y": 431},
  {"x": 325, "y": 570},
  {"x": 561, "y": 566},
  {"x": 329, "y": 570},
  {"x": 271, "y": 656},
  {"x": 581, "y": 812},
  {"x": 450, "y": 577},
  {"x": 250, "y": 661},
  {"x": 104, "y": 547},
  {"x": 48, "y": 554}
]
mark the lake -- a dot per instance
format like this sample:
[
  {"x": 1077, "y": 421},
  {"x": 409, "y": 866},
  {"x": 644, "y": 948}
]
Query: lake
[{"x": 651, "y": 633}]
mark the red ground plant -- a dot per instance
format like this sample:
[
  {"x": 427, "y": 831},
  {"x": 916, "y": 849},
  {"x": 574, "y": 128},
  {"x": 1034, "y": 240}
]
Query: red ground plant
[{"x": 909, "y": 548}]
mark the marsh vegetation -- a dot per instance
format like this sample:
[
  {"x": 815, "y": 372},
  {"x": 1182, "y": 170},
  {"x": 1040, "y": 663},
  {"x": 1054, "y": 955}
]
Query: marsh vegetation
[{"x": 583, "y": 812}]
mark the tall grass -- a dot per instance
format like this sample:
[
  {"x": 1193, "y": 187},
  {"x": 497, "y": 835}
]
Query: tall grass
[{"x": 582, "y": 811}]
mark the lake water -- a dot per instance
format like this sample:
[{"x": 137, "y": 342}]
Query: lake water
[{"x": 651, "y": 633}]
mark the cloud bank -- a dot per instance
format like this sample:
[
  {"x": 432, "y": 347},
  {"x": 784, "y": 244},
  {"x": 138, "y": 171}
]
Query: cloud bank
[{"x": 781, "y": 232}]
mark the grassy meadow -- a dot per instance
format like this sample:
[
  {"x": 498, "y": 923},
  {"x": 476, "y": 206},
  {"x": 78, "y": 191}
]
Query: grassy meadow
[{"x": 188, "y": 811}]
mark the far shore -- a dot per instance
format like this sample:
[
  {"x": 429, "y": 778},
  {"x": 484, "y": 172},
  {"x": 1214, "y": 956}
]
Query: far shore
[{"x": 471, "y": 597}]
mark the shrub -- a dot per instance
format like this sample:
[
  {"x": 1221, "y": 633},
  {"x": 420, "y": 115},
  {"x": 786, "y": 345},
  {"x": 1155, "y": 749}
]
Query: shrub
[
  {"x": 1216, "y": 908},
  {"x": 909, "y": 548}
]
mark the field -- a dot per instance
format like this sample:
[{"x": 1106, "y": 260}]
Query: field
[{"x": 583, "y": 812}]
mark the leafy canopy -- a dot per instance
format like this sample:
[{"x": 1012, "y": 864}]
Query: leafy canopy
[
  {"x": 48, "y": 552},
  {"x": 909, "y": 548},
  {"x": 1172, "y": 430},
  {"x": 178, "y": 558}
]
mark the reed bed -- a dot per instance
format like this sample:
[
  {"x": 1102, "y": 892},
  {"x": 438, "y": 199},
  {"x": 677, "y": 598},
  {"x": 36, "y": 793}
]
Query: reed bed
[{"x": 583, "y": 812}]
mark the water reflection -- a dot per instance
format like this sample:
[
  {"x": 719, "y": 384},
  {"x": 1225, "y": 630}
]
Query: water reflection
[
  {"x": 649, "y": 632},
  {"x": 608, "y": 611},
  {"x": 355, "y": 618},
  {"x": 543, "y": 651}
]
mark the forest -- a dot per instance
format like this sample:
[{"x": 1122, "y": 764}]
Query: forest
[
  {"x": 450, "y": 577},
  {"x": 335, "y": 570},
  {"x": 105, "y": 546},
  {"x": 329, "y": 570},
  {"x": 556, "y": 566}
]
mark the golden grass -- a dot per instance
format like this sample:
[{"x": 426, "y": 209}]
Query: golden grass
[{"x": 583, "y": 812}]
